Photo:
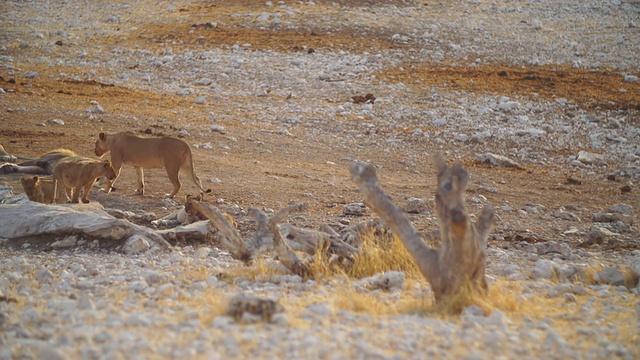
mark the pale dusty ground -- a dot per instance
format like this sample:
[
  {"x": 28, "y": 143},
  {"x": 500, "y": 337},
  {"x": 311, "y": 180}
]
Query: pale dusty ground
[{"x": 561, "y": 62}]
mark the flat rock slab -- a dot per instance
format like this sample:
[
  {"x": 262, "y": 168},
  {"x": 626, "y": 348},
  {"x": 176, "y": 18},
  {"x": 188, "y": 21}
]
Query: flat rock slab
[{"x": 42, "y": 223}]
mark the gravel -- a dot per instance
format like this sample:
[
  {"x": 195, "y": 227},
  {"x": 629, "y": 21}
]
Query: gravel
[
  {"x": 99, "y": 304},
  {"x": 94, "y": 304}
]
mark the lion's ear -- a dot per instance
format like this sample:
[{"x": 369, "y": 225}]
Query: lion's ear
[{"x": 102, "y": 136}]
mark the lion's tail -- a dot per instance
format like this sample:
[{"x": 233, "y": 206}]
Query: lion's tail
[{"x": 188, "y": 166}]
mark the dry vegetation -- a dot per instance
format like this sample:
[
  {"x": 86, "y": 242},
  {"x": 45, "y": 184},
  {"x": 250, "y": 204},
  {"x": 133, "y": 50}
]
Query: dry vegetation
[{"x": 269, "y": 171}]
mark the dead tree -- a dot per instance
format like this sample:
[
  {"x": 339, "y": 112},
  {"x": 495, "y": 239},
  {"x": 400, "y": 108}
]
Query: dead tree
[
  {"x": 272, "y": 233},
  {"x": 461, "y": 258},
  {"x": 229, "y": 236}
]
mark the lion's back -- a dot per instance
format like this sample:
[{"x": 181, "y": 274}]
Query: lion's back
[{"x": 148, "y": 152}]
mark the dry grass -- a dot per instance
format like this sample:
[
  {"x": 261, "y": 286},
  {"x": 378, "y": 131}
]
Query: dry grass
[{"x": 377, "y": 257}]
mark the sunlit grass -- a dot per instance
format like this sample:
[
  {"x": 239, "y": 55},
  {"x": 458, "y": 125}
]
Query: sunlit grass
[{"x": 381, "y": 255}]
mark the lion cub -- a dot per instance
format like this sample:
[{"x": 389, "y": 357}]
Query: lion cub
[
  {"x": 38, "y": 189},
  {"x": 76, "y": 173}
]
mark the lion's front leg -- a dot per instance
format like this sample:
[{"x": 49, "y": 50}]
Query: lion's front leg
[
  {"x": 117, "y": 166},
  {"x": 140, "y": 172},
  {"x": 85, "y": 192}
]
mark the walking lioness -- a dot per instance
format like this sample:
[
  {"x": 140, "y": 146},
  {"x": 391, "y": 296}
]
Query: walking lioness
[{"x": 143, "y": 152}]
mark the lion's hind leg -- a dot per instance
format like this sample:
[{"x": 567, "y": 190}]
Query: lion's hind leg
[{"x": 174, "y": 176}]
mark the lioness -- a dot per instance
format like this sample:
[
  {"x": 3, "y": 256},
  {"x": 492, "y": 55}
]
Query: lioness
[
  {"x": 5, "y": 156},
  {"x": 43, "y": 165},
  {"x": 38, "y": 189},
  {"x": 80, "y": 173},
  {"x": 142, "y": 152}
]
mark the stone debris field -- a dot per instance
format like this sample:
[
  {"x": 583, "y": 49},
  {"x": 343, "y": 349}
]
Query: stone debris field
[{"x": 539, "y": 100}]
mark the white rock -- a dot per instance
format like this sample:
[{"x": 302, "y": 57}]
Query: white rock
[
  {"x": 136, "y": 244},
  {"x": 202, "y": 252},
  {"x": 69, "y": 241},
  {"x": 622, "y": 209},
  {"x": 85, "y": 303},
  {"x": 630, "y": 78},
  {"x": 203, "y": 82},
  {"x": 496, "y": 160},
  {"x": 96, "y": 110},
  {"x": 609, "y": 275},
  {"x": 586, "y": 157},
  {"x": 461, "y": 137},
  {"x": 357, "y": 209},
  {"x": 44, "y": 275},
  {"x": 165, "y": 290},
  {"x": 388, "y": 281},
  {"x": 544, "y": 269},
  {"x": 439, "y": 122},
  {"x": 55, "y": 122},
  {"x": 508, "y": 106},
  {"x": 416, "y": 205}
]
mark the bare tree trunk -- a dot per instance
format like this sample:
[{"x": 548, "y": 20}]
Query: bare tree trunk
[
  {"x": 287, "y": 256},
  {"x": 462, "y": 255},
  {"x": 304, "y": 240},
  {"x": 285, "y": 239},
  {"x": 230, "y": 237}
]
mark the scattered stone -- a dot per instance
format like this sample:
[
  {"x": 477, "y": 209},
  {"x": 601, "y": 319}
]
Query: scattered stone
[
  {"x": 97, "y": 109},
  {"x": 597, "y": 235},
  {"x": 496, "y": 160},
  {"x": 55, "y": 122},
  {"x": 203, "y": 82},
  {"x": 388, "y": 281},
  {"x": 416, "y": 206},
  {"x": 548, "y": 247},
  {"x": 566, "y": 215},
  {"x": 44, "y": 275},
  {"x": 135, "y": 245},
  {"x": 69, "y": 241},
  {"x": 355, "y": 209},
  {"x": 544, "y": 269},
  {"x": 606, "y": 217},
  {"x": 202, "y": 252},
  {"x": 610, "y": 276},
  {"x": 508, "y": 106},
  {"x": 586, "y": 157},
  {"x": 622, "y": 209}
]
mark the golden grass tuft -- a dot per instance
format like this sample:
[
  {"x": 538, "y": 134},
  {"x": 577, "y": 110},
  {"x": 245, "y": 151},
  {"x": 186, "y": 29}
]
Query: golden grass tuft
[
  {"x": 630, "y": 278},
  {"x": 351, "y": 300},
  {"x": 588, "y": 277},
  {"x": 376, "y": 257}
]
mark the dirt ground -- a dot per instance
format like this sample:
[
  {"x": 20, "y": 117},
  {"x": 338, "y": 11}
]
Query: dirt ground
[{"x": 270, "y": 171}]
